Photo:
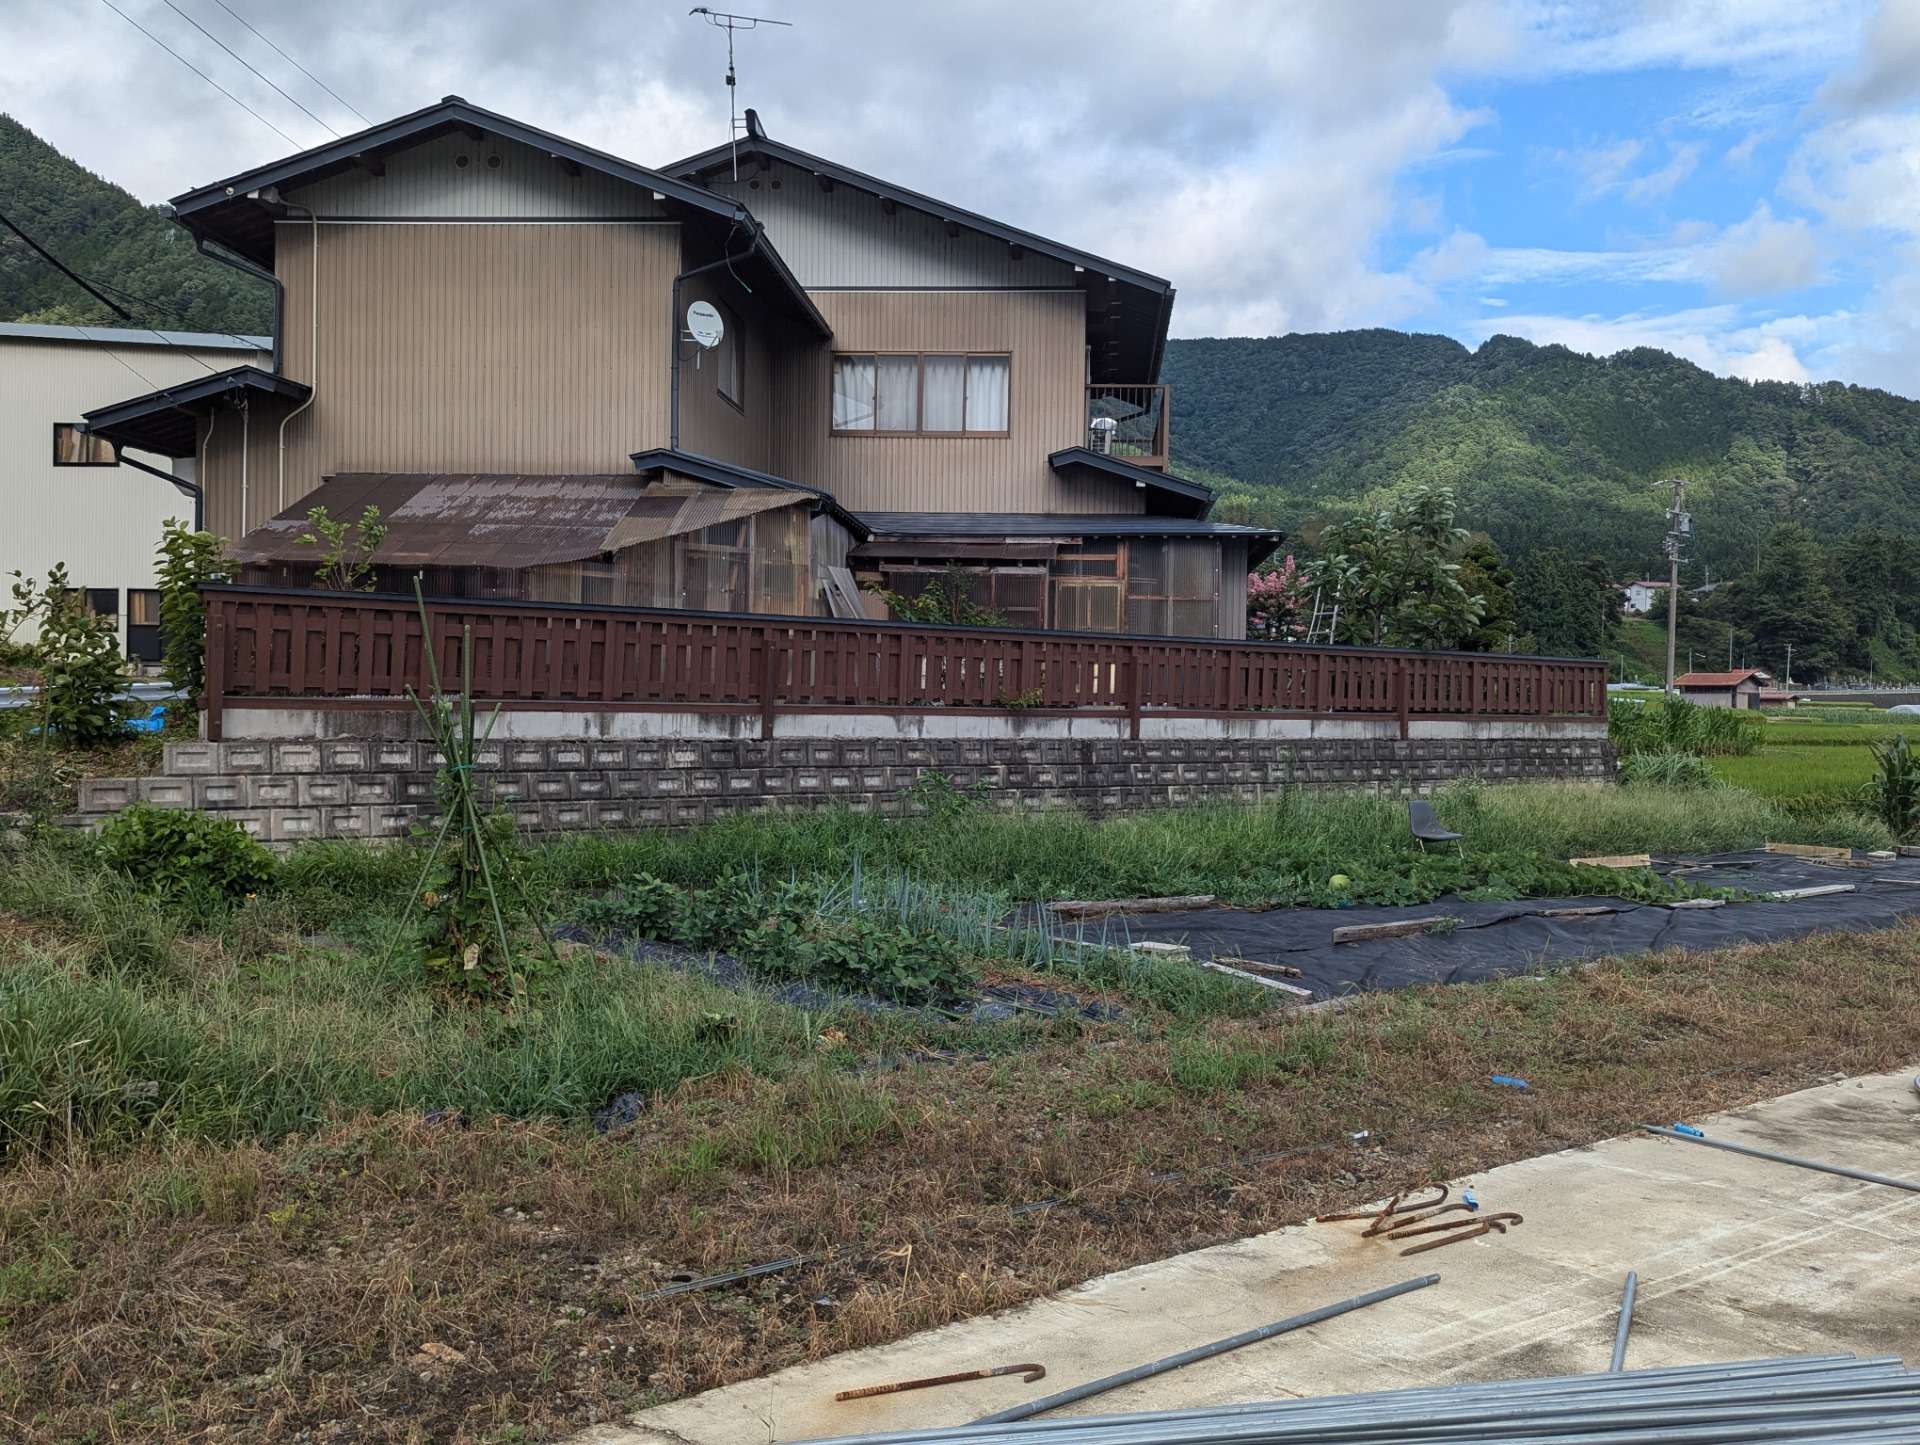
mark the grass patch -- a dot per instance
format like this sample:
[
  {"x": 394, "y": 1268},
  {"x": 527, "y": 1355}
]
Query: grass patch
[{"x": 527, "y": 1246}]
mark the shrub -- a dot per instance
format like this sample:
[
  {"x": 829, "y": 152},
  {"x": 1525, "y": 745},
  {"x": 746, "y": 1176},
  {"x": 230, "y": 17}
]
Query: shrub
[
  {"x": 186, "y": 562},
  {"x": 81, "y": 668},
  {"x": 1894, "y": 795},
  {"x": 176, "y": 853},
  {"x": 346, "y": 549},
  {"x": 857, "y": 953},
  {"x": 714, "y": 917},
  {"x": 1669, "y": 770},
  {"x": 644, "y": 908},
  {"x": 1678, "y": 726}
]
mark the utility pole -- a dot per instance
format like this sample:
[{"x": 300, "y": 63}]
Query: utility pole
[
  {"x": 1729, "y": 647},
  {"x": 1789, "y": 665},
  {"x": 1679, "y": 529}
]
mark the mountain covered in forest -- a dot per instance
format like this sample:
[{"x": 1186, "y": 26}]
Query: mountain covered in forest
[
  {"x": 135, "y": 253},
  {"x": 1544, "y": 446}
]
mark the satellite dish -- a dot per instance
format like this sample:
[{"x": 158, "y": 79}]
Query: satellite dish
[{"x": 704, "y": 325}]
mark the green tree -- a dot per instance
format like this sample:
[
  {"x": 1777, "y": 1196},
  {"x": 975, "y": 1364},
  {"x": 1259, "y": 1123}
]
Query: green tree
[
  {"x": 1393, "y": 574},
  {"x": 1568, "y": 606},
  {"x": 1787, "y": 601},
  {"x": 186, "y": 562},
  {"x": 1484, "y": 574}
]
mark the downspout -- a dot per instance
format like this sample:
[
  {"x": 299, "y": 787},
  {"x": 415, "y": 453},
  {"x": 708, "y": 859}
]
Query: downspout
[
  {"x": 313, "y": 358},
  {"x": 673, "y": 330},
  {"x": 248, "y": 268}
]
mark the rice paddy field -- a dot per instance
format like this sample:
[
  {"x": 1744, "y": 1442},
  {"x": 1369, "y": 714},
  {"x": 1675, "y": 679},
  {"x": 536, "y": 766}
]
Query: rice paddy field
[{"x": 1815, "y": 756}]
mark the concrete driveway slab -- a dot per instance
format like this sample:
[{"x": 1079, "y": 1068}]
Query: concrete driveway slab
[{"x": 1737, "y": 1258}]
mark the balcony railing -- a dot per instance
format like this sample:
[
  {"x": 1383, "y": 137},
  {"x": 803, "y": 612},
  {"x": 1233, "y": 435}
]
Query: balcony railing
[{"x": 1131, "y": 422}]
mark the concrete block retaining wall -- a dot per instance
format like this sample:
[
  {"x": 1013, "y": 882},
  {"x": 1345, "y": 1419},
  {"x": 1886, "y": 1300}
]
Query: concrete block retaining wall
[{"x": 284, "y": 791}]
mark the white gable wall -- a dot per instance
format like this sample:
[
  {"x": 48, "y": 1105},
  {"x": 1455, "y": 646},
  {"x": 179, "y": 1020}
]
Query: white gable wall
[{"x": 427, "y": 182}]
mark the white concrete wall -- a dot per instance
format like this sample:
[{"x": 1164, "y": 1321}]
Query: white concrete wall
[{"x": 103, "y": 522}]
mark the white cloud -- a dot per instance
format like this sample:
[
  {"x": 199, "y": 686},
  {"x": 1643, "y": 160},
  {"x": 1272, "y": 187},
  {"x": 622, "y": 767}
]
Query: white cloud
[
  {"x": 1762, "y": 255},
  {"x": 1493, "y": 301},
  {"x": 1887, "y": 71},
  {"x": 1657, "y": 185},
  {"x": 1740, "y": 154},
  {"x": 1460, "y": 255},
  {"x": 1690, "y": 34},
  {"x": 1714, "y": 337}
]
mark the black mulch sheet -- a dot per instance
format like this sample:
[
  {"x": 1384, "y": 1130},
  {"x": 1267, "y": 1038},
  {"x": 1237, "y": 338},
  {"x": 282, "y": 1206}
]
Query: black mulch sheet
[{"x": 1496, "y": 940}]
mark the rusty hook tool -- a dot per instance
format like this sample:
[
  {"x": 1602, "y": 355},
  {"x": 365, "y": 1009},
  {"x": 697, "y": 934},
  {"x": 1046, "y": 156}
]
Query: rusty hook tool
[
  {"x": 1394, "y": 1206},
  {"x": 1391, "y": 1227},
  {"x": 1029, "y": 1372},
  {"x": 1492, "y": 1224}
]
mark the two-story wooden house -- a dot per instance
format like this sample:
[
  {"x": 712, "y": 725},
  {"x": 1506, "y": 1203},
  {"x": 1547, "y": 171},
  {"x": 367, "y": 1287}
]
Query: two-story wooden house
[{"x": 483, "y": 330}]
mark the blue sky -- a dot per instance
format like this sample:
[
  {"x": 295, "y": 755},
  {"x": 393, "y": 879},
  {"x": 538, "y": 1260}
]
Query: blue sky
[{"x": 1737, "y": 181}]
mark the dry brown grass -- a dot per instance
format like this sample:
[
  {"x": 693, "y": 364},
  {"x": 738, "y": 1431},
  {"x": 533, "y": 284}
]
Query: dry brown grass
[{"x": 237, "y": 1293}]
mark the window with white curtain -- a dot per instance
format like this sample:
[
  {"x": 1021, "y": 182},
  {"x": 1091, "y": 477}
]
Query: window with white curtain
[{"x": 922, "y": 393}]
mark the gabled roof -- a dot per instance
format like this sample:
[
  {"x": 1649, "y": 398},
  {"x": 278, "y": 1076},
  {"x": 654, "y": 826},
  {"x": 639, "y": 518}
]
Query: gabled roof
[
  {"x": 233, "y": 212},
  {"x": 757, "y": 144},
  {"x": 166, "y": 421},
  {"x": 1721, "y": 679},
  {"x": 1166, "y": 495},
  {"x": 728, "y": 474}
]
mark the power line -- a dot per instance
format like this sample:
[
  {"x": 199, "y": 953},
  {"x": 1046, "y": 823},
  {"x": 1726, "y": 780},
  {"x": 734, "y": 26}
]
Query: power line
[
  {"x": 96, "y": 293},
  {"x": 288, "y": 58},
  {"x": 202, "y": 74},
  {"x": 249, "y": 65}
]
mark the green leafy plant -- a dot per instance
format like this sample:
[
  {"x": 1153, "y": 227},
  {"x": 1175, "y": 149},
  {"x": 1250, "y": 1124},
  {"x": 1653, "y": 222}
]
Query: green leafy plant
[
  {"x": 186, "y": 562},
  {"x": 1894, "y": 794},
  {"x": 82, "y": 670},
  {"x": 644, "y": 908},
  {"x": 1669, "y": 770},
  {"x": 714, "y": 917},
  {"x": 1394, "y": 576},
  {"x": 859, "y": 953},
  {"x": 28, "y": 603},
  {"x": 176, "y": 853},
  {"x": 346, "y": 548},
  {"x": 937, "y": 796},
  {"x": 1675, "y": 725},
  {"x": 946, "y": 599},
  {"x": 471, "y": 881}
]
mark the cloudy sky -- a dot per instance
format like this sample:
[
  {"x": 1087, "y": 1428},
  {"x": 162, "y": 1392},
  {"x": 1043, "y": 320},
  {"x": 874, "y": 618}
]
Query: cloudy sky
[{"x": 1737, "y": 181}]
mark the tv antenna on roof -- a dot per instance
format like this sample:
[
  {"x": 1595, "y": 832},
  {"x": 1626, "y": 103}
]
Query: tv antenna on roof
[{"x": 724, "y": 20}]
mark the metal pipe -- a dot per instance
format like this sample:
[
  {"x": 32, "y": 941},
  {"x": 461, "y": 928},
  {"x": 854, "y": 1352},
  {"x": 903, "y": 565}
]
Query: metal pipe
[
  {"x": 248, "y": 268},
  {"x": 1814, "y": 1164},
  {"x": 1626, "y": 1324},
  {"x": 313, "y": 358},
  {"x": 1204, "y": 1352}
]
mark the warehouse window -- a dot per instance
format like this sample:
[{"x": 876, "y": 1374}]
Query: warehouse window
[{"x": 73, "y": 447}]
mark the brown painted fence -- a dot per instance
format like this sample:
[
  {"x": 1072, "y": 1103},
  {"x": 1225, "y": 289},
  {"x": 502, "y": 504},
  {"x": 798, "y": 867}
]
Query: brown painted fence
[{"x": 267, "y": 647}]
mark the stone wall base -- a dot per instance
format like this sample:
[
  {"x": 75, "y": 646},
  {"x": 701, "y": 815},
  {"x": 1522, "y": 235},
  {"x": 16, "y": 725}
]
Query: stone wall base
[{"x": 284, "y": 792}]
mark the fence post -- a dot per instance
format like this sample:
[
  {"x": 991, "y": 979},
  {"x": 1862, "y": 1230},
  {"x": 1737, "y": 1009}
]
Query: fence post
[
  {"x": 1542, "y": 688},
  {"x": 1401, "y": 682},
  {"x": 1136, "y": 689},
  {"x": 213, "y": 680},
  {"x": 769, "y": 681}
]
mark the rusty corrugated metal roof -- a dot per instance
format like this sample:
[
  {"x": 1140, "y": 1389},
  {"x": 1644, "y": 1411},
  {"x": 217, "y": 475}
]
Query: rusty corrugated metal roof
[{"x": 472, "y": 519}]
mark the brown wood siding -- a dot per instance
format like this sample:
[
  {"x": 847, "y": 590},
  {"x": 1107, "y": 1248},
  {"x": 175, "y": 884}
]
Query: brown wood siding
[
  {"x": 1045, "y": 333},
  {"x": 462, "y": 348},
  {"x": 710, "y": 425},
  {"x": 238, "y": 459}
]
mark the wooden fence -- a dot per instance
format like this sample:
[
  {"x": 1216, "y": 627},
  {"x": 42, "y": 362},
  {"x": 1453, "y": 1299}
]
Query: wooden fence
[{"x": 272, "y": 647}]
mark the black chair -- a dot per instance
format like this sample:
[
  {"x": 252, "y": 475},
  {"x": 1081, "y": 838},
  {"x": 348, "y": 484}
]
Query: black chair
[{"x": 1426, "y": 828}]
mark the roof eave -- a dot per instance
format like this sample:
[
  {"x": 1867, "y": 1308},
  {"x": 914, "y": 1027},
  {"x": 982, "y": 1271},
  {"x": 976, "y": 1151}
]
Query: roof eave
[
  {"x": 728, "y": 474},
  {"x": 859, "y": 180},
  {"x": 1178, "y": 489}
]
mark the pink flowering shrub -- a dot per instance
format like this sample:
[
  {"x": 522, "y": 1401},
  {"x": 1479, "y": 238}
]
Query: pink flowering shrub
[{"x": 1276, "y": 601}]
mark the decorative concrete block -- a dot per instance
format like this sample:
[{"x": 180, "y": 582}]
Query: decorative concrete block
[
  {"x": 367, "y": 788},
  {"x": 246, "y": 757},
  {"x": 296, "y": 757},
  {"x": 607, "y": 756},
  {"x": 322, "y": 790},
  {"x": 547, "y": 787},
  {"x": 526, "y": 757},
  {"x": 347, "y": 823},
  {"x": 389, "y": 822},
  {"x": 293, "y": 825},
  {"x": 346, "y": 755},
  {"x": 225, "y": 791},
  {"x": 252, "y": 821},
  {"x": 167, "y": 792},
  {"x": 184, "y": 759},
  {"x": 592, "y": 783},
  {"x": 107, "y": 795},
  {"x": 566, "y": 756},
  {"x": 275, "y": 791},
  {"x": 396, "y": 757}
]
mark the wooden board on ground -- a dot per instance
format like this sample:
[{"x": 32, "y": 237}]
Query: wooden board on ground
[
  {"x": 1574, "y": 912},
  {"x": 1361, "y": 931},
  {"x": 1808, "y": 850},
  {"x": 1099, "y": 908},
  {"x": 1903, "y": 882},
  {"x": 1908, "y": 850},
  {"x": 1696, "y": 903},
  {"x": 1273, "y": 983},
  {"x": 1615, "y": 860},
  {"x": 1257, "y": 965},
  {"x": 1787, "y": 895}
]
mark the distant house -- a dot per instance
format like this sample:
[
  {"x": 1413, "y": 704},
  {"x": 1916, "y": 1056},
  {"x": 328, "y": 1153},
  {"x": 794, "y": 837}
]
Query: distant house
[
  {"x": 1741, "y": 689},
  {"x": 1775, "y": 697},
  {"x": 1640, "y": 596},
  {"x": 87, "y": 501}
]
